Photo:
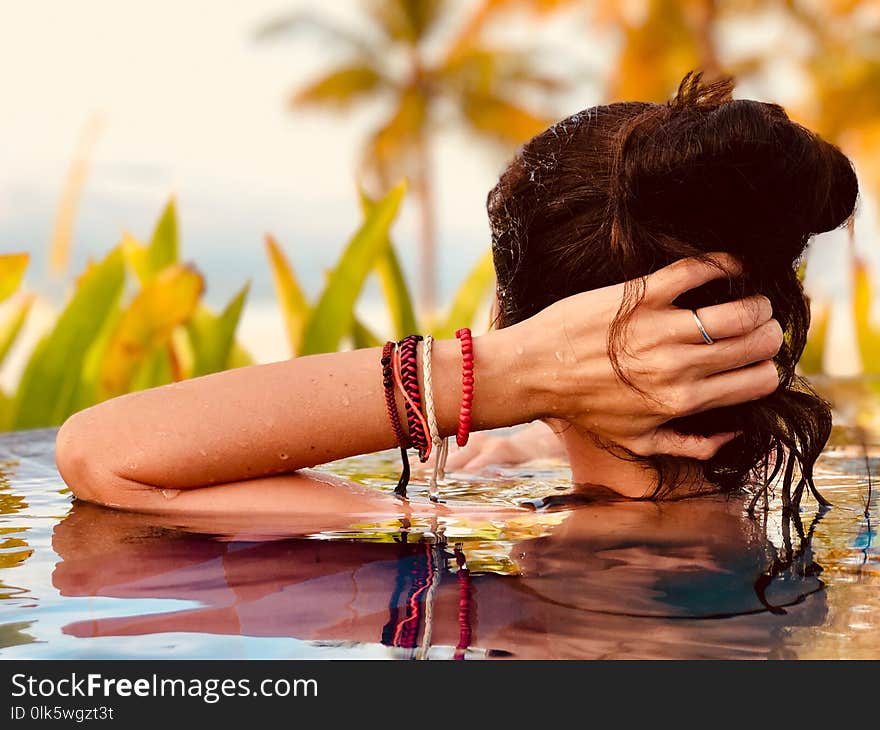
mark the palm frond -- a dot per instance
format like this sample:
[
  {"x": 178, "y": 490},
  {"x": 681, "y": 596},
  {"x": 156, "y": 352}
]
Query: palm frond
[
  {"x": 501, "y": 120},
  {"x": 492, "y": 69},
  {"x": 341, "y": 87},
  {"x": 407, "y": 21},
  {"x": 305, "y": 23},
  {"x": 388, "y": 153}
]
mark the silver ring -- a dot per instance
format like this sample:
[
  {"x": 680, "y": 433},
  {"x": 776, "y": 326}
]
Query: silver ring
[{"x": 708, "y": 340}]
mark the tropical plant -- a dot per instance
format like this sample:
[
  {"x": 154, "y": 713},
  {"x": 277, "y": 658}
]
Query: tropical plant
[
  {"x": 471, "y": 82},
  {"x": 105, "y": 343},
  {"x": 12, "y": 269},
  {"x": 324, "y": 325}
]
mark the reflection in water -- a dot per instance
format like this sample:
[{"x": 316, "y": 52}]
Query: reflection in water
[
  {"x": 687, "y": 579},
  {"x": 610, "y": 580}
]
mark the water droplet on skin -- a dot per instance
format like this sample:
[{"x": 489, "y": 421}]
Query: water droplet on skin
[
  {"x": 559, "y": 356},
  {"x": 203, "y": 452},
  {"x": 170, "y": 493},
  {"x": 520, "y": 350},
  {"x": 346, "y": 402},
  {"x": 283, "y": 456}
]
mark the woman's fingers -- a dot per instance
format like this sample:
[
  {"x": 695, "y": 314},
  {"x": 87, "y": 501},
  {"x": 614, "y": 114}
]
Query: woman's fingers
[
  {"x": 667, "y": 284},
  {"x": 731, "y": 319},
  {"x": 737, "y": 386},
  {"x": 670, "y": 442},
  {"x": 760, "y": 344}
]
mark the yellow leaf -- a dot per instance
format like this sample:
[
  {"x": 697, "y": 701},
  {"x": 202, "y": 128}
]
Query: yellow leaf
[
  {"x": 12, "y": 267},
  {"x": 165, "y": 302},
  {"x": 294, "y": 305},
  {"x": 135, "y": 256},
  {"x": 339, "y": 88},
  {"x": 867, "y": 333},
  {"x": 812, "y": 359},
  {"x": 502, "y": 120},
  {"x": 12, "y": 326}
]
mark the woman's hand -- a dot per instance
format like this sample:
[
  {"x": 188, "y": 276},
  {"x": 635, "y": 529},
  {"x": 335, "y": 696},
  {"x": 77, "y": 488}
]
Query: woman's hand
[
  {"x": 571, "y": 377},
  {"x": 486, "y": 449}
]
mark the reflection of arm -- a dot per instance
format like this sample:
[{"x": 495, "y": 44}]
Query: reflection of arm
[{"x": 267, "y": 588}]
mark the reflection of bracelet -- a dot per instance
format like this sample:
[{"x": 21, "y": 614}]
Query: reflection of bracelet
[{"x": 467, "y": 385}]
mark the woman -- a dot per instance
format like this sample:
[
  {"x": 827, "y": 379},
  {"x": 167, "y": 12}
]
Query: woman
[{"x": 649, "y": 312}]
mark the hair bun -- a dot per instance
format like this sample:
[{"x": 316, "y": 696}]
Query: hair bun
[{"x": 734, "y": 175}]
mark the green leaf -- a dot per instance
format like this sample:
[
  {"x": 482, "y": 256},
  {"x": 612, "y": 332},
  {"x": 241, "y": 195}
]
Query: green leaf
[
  {"x": 867, "y": 335},
  {"x": 470, "y": 295},
  {"x": 362, "y": 336},
  {"x": 12, "y": 268},
  {"x": 333, "y": 317},
  {"x": 5, "y": 411},
  {"x": 811, "y": 362},
  {"x": 12, "y": 326},
  {"x": 213, "y": 336},
  {"x": 86, "y": 393},
  {"x": 154, "y": 369},
  {"x": 147, "y": 261},
  {"x": 163, "y": 249},
  {"x": 49, "y": 382},
  {"x": 167, "y": 301},
  {"x": 394, "y": 286},
  {"x": 239, "y": 357},
  {"x": 294, "y": 305}
]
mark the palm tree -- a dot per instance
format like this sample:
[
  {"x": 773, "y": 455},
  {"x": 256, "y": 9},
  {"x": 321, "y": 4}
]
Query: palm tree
[{"x": 468, "y": 81}]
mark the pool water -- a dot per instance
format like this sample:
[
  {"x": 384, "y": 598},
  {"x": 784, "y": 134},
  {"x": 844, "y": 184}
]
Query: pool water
[{"x": 689, "y": 579}]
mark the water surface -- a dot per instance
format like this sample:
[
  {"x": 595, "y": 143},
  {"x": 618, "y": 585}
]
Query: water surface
[{"x": 690, "y": 579}]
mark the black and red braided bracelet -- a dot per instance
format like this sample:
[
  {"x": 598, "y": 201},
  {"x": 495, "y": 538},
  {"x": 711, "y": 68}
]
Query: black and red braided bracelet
[
  {"x": 409, "y": 376},
  {"x": 396, "y": 427}
]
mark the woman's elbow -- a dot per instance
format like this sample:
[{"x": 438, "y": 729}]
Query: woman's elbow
[{"x": 79, "y": 460}]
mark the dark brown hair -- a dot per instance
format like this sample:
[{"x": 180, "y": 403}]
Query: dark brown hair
[{"x": 615, "y": 192}]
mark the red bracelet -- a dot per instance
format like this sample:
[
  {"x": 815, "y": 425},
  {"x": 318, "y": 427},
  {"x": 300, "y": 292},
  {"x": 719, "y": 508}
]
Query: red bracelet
[
  {"x": 413, "y": 401},
  {"x": 467, "y": 385}
]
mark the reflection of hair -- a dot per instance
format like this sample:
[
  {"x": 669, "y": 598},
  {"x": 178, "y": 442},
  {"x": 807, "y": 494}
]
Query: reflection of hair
[{"x": 616, "y": 192}]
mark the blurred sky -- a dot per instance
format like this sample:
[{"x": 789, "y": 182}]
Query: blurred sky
[{"x": 191, "y": 105}]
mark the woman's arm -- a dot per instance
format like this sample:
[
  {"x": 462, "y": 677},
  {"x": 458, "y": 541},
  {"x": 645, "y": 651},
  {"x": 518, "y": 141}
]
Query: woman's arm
[
  {"x": 273, "y": 419},
  {"x": 278, "y": 418}
]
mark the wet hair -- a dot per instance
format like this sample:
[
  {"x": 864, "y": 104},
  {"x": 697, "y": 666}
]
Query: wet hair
[{"x": 616, "y": 192}]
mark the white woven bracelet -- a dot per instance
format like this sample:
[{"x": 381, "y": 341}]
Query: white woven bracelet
[{"x": 440, "y": 444}]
